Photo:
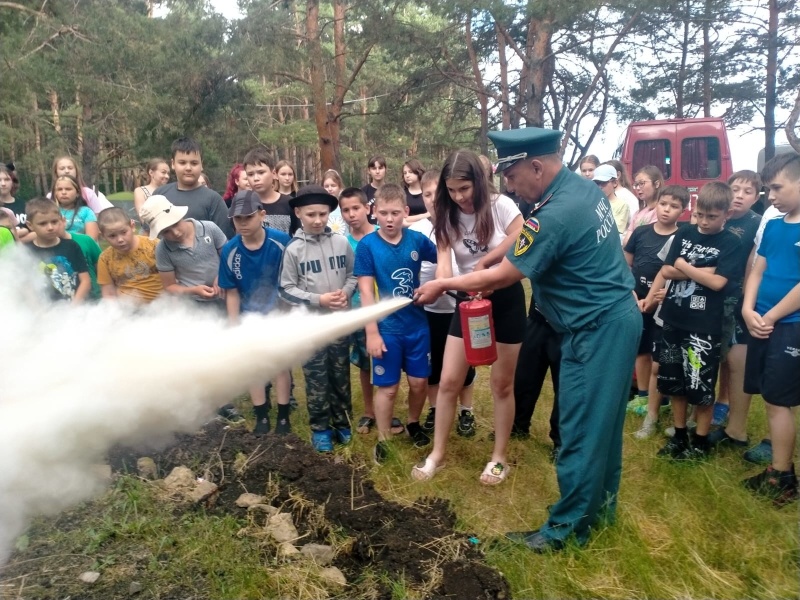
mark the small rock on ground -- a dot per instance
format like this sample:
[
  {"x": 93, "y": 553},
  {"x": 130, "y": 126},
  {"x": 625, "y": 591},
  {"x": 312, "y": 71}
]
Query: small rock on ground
[
  {"x": 89, "y": 576},
  {"x": 267, "y": 508},
  {"x": 180, "y": 477},
  {"x": 146, "y": 467},
  {"x": 134, "y": 588},
  {"x": 333, "y": 575},
  {"x": 319, "y": 553},
  {"x": 247, "y": 500},
  {"x": 281, "y": 528}
]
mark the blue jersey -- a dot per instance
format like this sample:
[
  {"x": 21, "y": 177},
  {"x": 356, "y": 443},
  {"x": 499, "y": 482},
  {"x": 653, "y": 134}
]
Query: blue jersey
[
  {"x": 780, "y": 246},
  {"x": 254, "y": 273},
  {"x": 395, "y": 268}
]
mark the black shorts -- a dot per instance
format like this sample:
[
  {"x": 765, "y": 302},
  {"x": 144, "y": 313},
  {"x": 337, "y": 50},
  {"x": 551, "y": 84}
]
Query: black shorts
[
  {"x": 439, "y": 325},
  {"x": 772, "y": 368},
  {"x": 657, "y": 335},
  {"x": 648, "y": 330},
  {"x": 508, "y": 314},
  {"x": 734, "y": 331},
  {"x": 688, "y": 365}
]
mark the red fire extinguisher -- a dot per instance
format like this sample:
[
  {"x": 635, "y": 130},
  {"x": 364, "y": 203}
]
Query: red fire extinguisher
[{"x": 477, "y": 327}]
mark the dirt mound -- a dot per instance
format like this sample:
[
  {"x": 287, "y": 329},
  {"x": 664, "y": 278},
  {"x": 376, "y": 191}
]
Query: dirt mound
[{"x": 415, "y": 542}]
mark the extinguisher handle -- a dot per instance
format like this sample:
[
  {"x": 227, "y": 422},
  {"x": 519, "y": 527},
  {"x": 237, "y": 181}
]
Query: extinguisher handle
[{"x": 458, "y": 295}]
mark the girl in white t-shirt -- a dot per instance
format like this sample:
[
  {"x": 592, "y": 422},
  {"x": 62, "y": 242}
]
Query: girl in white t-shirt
[{"x": 479, "y": 226}]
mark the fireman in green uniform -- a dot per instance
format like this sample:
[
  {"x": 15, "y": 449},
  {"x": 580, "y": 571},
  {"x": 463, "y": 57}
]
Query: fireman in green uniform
[{"x": 569, "y": 248}]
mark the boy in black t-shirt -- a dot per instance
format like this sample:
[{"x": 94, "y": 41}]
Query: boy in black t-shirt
[
  {"x": 61, "y": 261},
  {"x": 642, "y": 253},
  {"x": 733, "y": 403},
  {"x": 260, "y": 170},
  {"x": 701, "y": 261}
]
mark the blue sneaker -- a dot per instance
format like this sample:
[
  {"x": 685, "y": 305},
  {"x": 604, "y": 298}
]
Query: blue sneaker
[
  {"x": 322, "y": 441},
  {"x": 343, "y": 435},
  {"x": 720, "y": 414},
  {"x": 760, "y": 454}
]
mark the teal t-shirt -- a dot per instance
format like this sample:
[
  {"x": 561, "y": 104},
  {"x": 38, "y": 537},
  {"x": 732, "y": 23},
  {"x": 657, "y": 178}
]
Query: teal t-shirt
[
  {"x": 569, "y": 248},
  {"x": 76, "y": 221},
  {"x": 91, "y": 251}
]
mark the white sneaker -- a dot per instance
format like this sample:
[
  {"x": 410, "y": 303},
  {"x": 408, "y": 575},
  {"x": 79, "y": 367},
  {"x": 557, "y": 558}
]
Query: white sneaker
[{"x": 648, "y": 428}]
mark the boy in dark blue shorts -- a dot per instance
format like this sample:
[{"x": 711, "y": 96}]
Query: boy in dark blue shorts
[
  {"x": 771, "y": 311},
  {"x": 701, "y": 261},
  {"x": 389, "y": 261},
  {"x": 249, "y": 271}
]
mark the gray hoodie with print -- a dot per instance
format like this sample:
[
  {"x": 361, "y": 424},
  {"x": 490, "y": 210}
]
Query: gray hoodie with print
[{"x": 315, "y": 264}]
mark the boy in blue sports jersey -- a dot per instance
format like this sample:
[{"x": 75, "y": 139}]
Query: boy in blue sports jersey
[
  {"x": 771, "y": 311},
  {"x": 249, "y": 271},
  {"x": 389, "y": 262}
]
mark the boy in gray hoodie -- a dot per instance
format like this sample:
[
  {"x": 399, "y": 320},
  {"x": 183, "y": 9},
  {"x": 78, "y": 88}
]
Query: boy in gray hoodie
[{"x": 317, "y": 272}]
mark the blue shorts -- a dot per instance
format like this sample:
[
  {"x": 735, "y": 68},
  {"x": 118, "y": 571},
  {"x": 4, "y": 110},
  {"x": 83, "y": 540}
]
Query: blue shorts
[{"x": 409, "y": 352}]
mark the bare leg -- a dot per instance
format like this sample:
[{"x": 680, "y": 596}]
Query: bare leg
[
  {"x": 739, "y": 402},
  {"x": 384, "y": 408},
  {"x": 725, "y": 383},
  {"x": 703, "y": 416},
  {"x": 654, "y": 398},
  {"x": 453, "y": 374},
  {"x": 679, "y": 405},
  {"x": 502, "y": 384},
  {"x": 643, "y": 365},
  {"x": 367, "y": 392},
  {"x": 782, "y": 430},
  {"x": 417, "y": 390},
  {"x": 283, "y": 387},
  {"x": 433, "y": 391}
]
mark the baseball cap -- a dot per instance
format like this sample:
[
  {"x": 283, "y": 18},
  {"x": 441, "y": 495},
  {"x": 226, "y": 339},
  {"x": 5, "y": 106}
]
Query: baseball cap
[
  {"x": 604, "y": 173},
  {"x": 244, "y": 203}
]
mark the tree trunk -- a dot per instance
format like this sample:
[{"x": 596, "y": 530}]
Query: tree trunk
[
  {"x": 791, "y": 125},
  {"x": 772, "y": 71},
  {"x": 41, "y": 176},
  {"x": 89, "y": 152},
  {"x": 681, "y": 84},
  {"x": 541, "y": 65},
  {"x": 317, "y": 76},
  {"x": 483, "y": 98},
  {"x": 505, "y": 109},
  {"x": 52, "y": 95}
]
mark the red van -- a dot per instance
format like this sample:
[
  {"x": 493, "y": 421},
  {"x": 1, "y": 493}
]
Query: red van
[{"x": 689, "y": 152}]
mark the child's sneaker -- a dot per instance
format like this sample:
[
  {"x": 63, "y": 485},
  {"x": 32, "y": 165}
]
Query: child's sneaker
[
  {"x": 343, "y": 435},
  {"x": 322, "y": 441},
  {"x": 648, "y": 428},
  {"x": 263, "y": 427},
  {"x": 417, "y": 435},
  {"x": 380, "y": 453},
  {"x": 720, "y": 414},
  {"x": 430, "y": 421},
  {"x": 283, "y": 427},
  {"x": 760, "y": 454},
  {"x": 675, "y": 448},
  {"x": 230, "y": 414},
  {"x": 637, "y": 402},
  {"x": 779, "y": 486},
  {"x": 466, "y": 423}
]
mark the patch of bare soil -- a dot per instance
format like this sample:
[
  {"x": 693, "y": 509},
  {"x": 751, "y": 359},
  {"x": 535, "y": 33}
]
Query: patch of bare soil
[{"x": 416, "y": 543}]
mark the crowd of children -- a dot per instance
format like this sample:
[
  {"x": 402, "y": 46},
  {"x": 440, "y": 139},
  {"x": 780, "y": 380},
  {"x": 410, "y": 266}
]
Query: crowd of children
[{"x": 720, "y": 296}]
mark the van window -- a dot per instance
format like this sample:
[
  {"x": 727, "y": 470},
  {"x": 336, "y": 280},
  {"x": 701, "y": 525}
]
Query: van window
[
  {"x": 700, "y": 158},
  {"x": 653, "y": 152}
]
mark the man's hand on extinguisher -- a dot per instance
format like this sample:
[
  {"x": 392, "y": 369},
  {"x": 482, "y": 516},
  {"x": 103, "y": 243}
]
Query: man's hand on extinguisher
[
  {"x": 375, "y": 345},
  {"x": 429, "y": 292}
]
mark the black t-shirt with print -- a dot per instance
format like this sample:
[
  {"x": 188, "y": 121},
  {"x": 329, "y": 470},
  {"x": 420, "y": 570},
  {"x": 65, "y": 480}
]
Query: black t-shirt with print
[
  {"x": 689, "y": 305},
  {"x": 61, "y": 264},
  {"x": 745, "y": 229},
  {"x": 645, "y": 244},
  {"x": 281, "y": 216}
]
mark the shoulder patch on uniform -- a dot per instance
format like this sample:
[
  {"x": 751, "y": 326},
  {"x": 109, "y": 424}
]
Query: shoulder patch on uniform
[
  {"x": 523, "y": 243},
  {"x": 533, "y": 224}
]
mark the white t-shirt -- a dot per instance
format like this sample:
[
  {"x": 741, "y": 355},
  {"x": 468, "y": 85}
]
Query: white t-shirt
[
  {"x": 466, "y": 248},
  {"x": 769, "y": 214},
  {"x": 427, "y": 271}
]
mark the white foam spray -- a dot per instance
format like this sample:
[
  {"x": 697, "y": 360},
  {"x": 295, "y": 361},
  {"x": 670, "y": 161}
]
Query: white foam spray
[{"x": 74, "y": 381}]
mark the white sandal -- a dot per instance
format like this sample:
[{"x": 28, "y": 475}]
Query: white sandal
[
  {"x": 496, "y": 470},
  {"x": 425, "y": 470}
]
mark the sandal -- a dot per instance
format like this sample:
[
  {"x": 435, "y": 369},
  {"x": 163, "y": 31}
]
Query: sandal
[
  {"x": 397, "y": 427},
  {"x": 497, "y": 471},
  {"x": 425, "y": 470},
  {"x": 365, "y": 424}
]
